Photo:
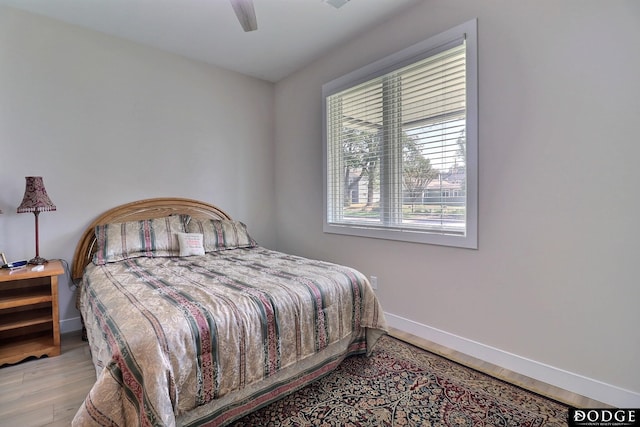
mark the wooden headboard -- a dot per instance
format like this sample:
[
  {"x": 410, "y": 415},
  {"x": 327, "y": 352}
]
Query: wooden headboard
[{"x": 142, "y": 209}]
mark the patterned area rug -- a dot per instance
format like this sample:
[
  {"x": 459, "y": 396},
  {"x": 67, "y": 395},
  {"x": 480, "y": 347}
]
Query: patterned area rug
[{"x": 401, "y": 385}]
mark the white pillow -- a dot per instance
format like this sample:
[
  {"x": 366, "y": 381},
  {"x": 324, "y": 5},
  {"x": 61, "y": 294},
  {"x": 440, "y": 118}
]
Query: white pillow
[{"x": 190, "y": 244}]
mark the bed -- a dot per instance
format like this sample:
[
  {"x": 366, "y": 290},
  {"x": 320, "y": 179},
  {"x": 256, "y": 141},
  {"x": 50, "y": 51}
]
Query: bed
[{"x": 190, "y": 322}]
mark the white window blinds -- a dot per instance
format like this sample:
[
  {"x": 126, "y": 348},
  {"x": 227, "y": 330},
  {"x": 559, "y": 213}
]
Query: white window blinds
[{"x": 396, "y": 143}]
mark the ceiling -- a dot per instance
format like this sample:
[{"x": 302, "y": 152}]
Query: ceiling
[{"x": 290, "y": 34}]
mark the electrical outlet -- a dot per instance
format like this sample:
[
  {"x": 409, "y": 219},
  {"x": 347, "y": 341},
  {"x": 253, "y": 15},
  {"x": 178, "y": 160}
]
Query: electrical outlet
[{"x": 374, "y": 281}]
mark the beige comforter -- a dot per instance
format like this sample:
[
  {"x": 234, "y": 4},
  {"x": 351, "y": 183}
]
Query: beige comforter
[{"x": 181, "y": 333}]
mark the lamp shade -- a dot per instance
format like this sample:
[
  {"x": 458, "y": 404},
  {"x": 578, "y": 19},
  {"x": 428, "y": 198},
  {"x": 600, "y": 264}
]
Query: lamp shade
[{"x": 35, "y": 197}]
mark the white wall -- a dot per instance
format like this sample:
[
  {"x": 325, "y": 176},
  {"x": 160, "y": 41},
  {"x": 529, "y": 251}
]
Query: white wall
[
  {"x": 553, "y": 289},
  {"x": 106, "y": 122}
]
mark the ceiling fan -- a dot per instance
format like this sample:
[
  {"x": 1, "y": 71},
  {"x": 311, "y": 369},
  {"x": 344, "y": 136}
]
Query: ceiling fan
[{"x": 246, "y": 14}]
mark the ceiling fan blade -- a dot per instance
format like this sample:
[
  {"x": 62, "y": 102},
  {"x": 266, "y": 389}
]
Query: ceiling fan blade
[
  {"x": 246, "y": 14},
  {"x": 337, "y": 3}
]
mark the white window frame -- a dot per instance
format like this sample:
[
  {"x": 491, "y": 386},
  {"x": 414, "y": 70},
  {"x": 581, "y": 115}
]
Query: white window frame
[{"x": 414, "y": 53}]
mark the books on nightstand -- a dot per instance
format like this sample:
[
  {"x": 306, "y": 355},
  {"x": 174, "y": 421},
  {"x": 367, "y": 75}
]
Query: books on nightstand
[{"x": 14, "y": 265}]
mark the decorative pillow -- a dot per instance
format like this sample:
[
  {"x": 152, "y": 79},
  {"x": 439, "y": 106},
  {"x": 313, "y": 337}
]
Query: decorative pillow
[
  {"x": 145, "y": 238},
  {"x": 190, "y": 244},
  {"x": 219, "y": 234}
]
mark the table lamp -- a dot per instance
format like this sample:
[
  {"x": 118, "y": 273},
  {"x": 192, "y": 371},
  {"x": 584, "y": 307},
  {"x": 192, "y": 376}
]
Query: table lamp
[{"x": 36, "y": 200}]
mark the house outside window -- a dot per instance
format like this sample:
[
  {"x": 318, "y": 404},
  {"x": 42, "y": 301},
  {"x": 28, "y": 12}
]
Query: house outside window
[{"x": 400, "y": 144}]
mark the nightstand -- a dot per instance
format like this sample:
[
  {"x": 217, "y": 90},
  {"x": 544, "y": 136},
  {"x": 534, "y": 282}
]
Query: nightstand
[{"x": 29, "y": 324}]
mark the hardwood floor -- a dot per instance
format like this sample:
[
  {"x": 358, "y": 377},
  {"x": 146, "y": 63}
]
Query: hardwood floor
[{"x": 49, "y": 391}]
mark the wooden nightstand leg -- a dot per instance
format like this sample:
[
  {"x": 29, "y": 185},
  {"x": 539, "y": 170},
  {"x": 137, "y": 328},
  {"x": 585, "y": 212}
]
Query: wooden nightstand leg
[{"x": 56, "y": 319}]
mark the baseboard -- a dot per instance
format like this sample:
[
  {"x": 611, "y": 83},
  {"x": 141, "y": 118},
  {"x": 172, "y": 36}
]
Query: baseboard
[
  {"x": 575, "y": 383},
  {"x": 70, "y": 325}
]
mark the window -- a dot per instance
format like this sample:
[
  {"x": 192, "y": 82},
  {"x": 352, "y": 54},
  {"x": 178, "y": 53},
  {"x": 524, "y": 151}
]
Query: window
[{"x": 400, "y": 144}]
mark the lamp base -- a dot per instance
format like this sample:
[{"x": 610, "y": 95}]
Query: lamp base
[{"x": 38, "y": 260}]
